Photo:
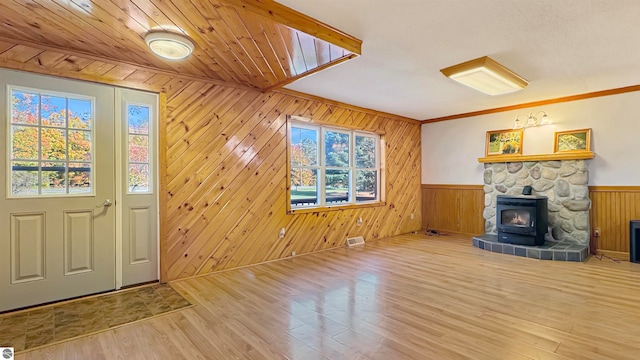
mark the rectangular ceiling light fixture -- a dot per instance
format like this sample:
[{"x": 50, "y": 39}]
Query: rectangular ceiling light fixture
[{"x": 486, "y": 75}]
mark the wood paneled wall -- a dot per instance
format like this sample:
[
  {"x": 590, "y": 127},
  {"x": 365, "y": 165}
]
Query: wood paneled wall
[
  {"x": 226, "y": 166},
  {"x": 453, "y": 208},
  {"x": 612, "y": 207},
  {"x": 227, "y": 179},
  {"x": 458, "y": 208}
]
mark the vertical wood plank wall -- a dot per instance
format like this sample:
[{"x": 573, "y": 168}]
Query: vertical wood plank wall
[
  {"x": 458, "y": 208},
  {"x": 453, "y": 208},
  {"x": 612, "y": 207},
  {"x": 226, "y": 165}
]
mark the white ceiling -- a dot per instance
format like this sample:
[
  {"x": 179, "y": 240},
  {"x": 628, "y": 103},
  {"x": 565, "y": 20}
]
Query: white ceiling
[{"x": 562, "y": 47}]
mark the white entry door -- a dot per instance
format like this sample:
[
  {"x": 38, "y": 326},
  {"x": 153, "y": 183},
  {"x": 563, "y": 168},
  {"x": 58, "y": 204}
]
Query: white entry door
[{"x": 57, "y": 225}]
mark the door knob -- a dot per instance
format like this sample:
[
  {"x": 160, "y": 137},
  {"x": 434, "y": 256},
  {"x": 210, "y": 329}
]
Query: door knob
[{"x": 107, "y": 203}]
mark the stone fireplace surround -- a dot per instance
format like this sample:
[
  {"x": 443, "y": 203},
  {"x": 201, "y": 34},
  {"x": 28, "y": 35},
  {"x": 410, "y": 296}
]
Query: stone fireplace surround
[{"x": 564, "y": 183}]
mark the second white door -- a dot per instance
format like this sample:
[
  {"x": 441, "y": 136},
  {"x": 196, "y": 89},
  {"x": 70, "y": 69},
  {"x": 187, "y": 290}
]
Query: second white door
[{"x": 138, "y": 187}]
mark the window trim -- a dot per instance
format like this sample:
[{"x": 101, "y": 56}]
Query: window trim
[
  {"x": 9, "y": 143},
  {"x": 301, "y": 122}
]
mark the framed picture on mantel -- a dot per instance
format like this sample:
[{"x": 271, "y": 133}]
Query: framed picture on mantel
[
  {"x": 504, "y": 142},
  {"x": 572, "y": 140}
]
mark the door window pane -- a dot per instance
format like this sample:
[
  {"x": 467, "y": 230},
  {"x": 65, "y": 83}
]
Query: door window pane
[
  {"x": 138, "y": 119},
  {"x": 24, "y": 178},
  {"x": 53, "y": 144},
  {"x": 138, "y": 178},
  {"x": 54, "y": 111},
  {"x": 80, "y": 114},
  {"x": 139, "y": 148},
  {"x": 53, "y": 178},
  {"x": 139, "y": 165},
  {"x": 79, "y": 178},
  {"x": 24, "y": 143},
  {"x": 25, "y": 108},
  {"x": 47, "y": 158},
  {"x": 79, "y": 145}
]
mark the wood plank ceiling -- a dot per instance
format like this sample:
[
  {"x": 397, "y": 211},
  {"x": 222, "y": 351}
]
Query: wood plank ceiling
[
  {"x": 255, "y": 43},
  {"x": 224, "y": 192}
]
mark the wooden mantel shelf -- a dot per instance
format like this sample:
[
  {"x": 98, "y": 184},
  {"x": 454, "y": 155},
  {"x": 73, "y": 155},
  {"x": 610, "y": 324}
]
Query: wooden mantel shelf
[{"x": 577, "y": 155}]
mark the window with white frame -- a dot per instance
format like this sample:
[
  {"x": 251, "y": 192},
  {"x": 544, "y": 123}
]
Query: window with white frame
[
  {"x": 50, "y": 143},
  {"x": 139, "y": 163},
  {"x": 332, "y": 166}
]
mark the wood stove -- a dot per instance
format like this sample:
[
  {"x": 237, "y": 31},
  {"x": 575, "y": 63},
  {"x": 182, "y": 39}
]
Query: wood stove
[{"x": 522, "y": 219}]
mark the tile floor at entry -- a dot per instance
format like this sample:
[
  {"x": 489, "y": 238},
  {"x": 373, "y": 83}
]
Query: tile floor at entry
[{"x": 45, "y": 325}]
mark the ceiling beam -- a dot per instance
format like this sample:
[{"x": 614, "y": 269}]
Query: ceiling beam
[
  {"x": 312, "y": 71},
  {"x": 296, "y": 20},
  {"x": 345, "y": 105},
  {"x": 589, "y": 95}
]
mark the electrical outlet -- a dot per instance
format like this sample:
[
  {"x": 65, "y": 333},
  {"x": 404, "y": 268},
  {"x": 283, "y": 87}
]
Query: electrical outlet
[
  {"x": 293, "y": 253},
  {"x": 359, "y": 221},
  {"x": 281, "y": 235},
  {"x": 596, "y": 232},
  {"x": 411, "y": 216}
]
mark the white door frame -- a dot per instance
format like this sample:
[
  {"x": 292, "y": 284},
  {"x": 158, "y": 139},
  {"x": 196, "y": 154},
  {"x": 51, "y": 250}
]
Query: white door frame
[{"x": 121, "y": 187}]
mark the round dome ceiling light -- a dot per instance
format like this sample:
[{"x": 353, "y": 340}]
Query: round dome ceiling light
[{"x": 169, "y": 45}]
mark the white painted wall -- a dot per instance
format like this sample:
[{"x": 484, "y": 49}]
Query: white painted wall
[{"x": 450, "y": 149}]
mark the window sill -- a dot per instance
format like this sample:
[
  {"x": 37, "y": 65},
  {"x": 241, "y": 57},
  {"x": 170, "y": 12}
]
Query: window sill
[{"x": 334, "y": 208}]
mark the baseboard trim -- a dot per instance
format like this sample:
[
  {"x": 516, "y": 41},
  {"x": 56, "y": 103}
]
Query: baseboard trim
[
  {"x": 444, "y": 232},
  {"x": 617, "y": 255},
  {"x": 452, "y": 186}
]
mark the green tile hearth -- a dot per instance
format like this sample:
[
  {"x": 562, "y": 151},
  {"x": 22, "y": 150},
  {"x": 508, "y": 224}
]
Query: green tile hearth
[{"x": 550, "y": 250}]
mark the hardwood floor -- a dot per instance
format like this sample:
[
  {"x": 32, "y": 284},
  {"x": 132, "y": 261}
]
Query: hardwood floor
[{"x": 410, "y": 296}]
